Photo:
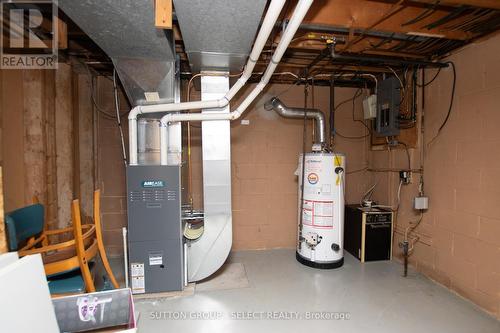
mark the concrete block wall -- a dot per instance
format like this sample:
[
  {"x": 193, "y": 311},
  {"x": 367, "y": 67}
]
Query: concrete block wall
[
  {"x": 459, "y": 243},
  {"x": 264, "y": 159},
  {"x": 110, "y": 168},
  {"x": 265, "y": 156}
]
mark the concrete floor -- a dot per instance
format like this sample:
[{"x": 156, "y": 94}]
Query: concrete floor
[{"x": 374, "y": 296}]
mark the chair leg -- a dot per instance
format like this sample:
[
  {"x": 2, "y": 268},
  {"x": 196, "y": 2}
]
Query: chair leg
[
  {"x": 100, "y": 243},
  {"x": 80, "y": 247}
]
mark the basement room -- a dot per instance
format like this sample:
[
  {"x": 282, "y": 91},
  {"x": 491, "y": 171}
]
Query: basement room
[{"x": 250, "y": 166}]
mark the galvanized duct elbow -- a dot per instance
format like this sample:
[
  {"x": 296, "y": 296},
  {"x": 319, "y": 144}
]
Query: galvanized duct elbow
[{"x": 299, "y": 113}]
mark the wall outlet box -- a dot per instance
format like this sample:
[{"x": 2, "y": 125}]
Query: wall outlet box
[
  {"x": 245, "y": 122},
  {"x": 370, "y": 107},
  {"x": 405, "y": 177},
  {"x": 421, "y": 203}
]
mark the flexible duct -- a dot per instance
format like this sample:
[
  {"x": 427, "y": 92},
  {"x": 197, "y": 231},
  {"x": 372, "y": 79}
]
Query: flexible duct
[
  {"x": 266, "y": 28},
  {"x": 299, "y": 113}
]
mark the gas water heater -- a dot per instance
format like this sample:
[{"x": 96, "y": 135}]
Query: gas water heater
[
  {"x": 321, "y": 210},
  {"x": 321, "y": 199}
]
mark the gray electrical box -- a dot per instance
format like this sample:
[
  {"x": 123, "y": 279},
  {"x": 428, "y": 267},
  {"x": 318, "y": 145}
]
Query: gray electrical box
[
  {"x": 154, "y": 228},
  {"x": 388, "y": 101}
]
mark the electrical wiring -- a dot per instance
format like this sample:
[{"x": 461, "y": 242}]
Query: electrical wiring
[
  {"x": 407, "y": 153},
  {"x": 118, "y": 118},
  {"x": 353, "y": 99},
  {"x": 425, "y": 84},
  {"x": 357, "y": 170},
  {"x": 426, "y": 13},
  {"x": 397, "y": 76},
  {"x": 412, "y": 225},
  {"x": 398, "y": 202},
  {"x": 92, "y": 97},
  {"x": 351, "y": 137},
  {"x": 354, "y": 108},
  {"x": 393, "y": 170},
  {"x": 367, "y": 195},
  {"x": 373, "y": 77},
  {"x": 451, "y": 102},
  {"x": 356, "y": 95}
]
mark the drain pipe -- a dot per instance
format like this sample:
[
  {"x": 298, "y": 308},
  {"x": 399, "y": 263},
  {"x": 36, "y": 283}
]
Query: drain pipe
[
  {"x": 299, "y": 113},
  {"x": 297, "y": 17},
  {"x": 266, "y": 28}
]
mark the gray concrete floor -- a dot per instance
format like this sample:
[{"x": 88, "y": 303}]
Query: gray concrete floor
[{"x": 375, "y": 297}]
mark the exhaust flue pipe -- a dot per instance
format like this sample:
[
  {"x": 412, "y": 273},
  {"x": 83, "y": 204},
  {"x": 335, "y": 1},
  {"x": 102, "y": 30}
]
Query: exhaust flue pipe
[{"x": 299, "y": 113}]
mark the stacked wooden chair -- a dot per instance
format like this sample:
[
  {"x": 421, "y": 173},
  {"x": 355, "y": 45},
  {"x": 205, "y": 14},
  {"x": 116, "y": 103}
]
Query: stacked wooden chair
[{"x": 68, "y": 263}]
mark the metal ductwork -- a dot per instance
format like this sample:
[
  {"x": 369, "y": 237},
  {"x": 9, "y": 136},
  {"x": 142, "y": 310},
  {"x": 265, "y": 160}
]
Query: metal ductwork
[
  {"x": 299, "y": 113},
  {"x": 218, "y": 34},
  {"x": 143, "y": 55}
]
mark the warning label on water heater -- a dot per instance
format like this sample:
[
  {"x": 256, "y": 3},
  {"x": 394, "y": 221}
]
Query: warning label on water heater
[{"x": 318, "y": 213}]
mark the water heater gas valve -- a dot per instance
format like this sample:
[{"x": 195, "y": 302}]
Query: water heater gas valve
[{"x": 312, "y": 239}]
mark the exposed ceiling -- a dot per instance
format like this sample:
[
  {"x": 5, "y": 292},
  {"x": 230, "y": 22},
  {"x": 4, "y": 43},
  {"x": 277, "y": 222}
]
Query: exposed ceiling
[{"x": 365, "y": 36}]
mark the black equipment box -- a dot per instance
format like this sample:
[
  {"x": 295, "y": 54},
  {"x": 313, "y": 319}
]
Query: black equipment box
[{"x": 368, "y": 233}]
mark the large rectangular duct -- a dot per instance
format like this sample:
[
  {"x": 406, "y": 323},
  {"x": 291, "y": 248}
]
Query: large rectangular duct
[
  {"x": 143, "y": 55},
  {"x": 218, "y": 34},
  {"x": 208, "y": 253}
]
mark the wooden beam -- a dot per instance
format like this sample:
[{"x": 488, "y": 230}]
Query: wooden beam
[
  {"x": 363, "y": 14},
  {"x": 3, "y": 237},
  {"x": 62, "y": 34},
  {"x": 163, "y": 14},
  {"x": 493, "y": 4}
]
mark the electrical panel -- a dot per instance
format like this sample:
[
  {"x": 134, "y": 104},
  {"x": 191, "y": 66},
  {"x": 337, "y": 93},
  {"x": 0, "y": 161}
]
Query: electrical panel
[{"x": 388, "y": 101}]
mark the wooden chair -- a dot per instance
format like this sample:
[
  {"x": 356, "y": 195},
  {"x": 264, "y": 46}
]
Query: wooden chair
[
  {"x": 100, "y": 243},
  {"x": 68, "y": 264},
  {"x": 25, "y": 227}
]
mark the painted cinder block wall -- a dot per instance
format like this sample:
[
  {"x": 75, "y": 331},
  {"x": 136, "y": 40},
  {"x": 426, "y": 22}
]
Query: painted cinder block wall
[
  {"x": 459, "y": 237},
  {"x": 265, "y": 157}
]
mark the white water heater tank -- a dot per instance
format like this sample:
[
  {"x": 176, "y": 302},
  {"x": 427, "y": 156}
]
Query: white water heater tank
[{"x": 321, "y": 228}]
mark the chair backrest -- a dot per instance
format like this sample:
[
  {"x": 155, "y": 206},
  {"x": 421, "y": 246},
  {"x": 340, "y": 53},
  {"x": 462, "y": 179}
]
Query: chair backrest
[{"x": 24, "y": 223}]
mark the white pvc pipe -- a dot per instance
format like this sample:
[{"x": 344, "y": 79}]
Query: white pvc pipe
[
  {"x": 125, "y": 255},
  {"x": 295, "y": 21},
  {"x": 132, "y": 140},
  {"x": 163, "y": 138},
  {"x": 266, "y": 28},
  {"x": 297, "y": 17}
]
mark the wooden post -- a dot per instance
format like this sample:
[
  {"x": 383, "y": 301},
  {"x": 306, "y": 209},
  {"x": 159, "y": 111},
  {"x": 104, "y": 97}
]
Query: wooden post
[
  {"x": 3, "y": 239},
  {"x": 64, "y": 144},
  {"x": 62, "y": 34}
]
